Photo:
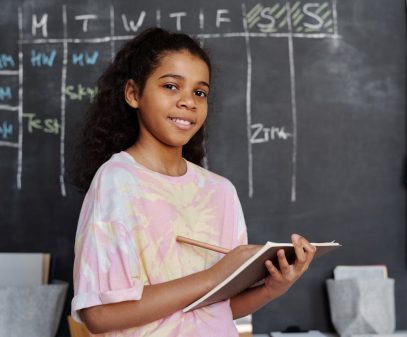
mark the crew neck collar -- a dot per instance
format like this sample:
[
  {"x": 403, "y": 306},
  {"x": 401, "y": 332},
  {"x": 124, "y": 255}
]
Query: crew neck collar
[{"x": 180, "y": 178}]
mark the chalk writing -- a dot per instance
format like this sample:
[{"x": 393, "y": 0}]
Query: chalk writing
[
  {"x": 85, "y": 19},
  {"x": 5, "y": 93},
  {"x": 312, "y": 17},
  {"x": 6, "y": 130},
  {"x": 267, "y": 19},
  {"x": 43, "y": 59},
  {"x": 48, "y": 125},
  {"x": 287, "y": 19},
  {"x": 42, "y": 24},
  {"x": 84, "y": 58},
  {"x": 79, "y": 92},
  {"x": 178, "y": 16},
  {"x": 130, "y": 25},
  {"x": 305, "y": 17},
  {"x": 6, "y": 61},
  {"x": 220, "y": 18},
  {"x": 261, "y": 134}
]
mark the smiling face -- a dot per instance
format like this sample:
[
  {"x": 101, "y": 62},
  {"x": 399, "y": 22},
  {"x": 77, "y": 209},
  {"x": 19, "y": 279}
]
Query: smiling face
[{"x": 173, "y": 105}]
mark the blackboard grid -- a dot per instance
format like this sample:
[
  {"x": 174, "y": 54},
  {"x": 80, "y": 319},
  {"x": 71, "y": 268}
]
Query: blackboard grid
[{"x": 292, "y": 17}]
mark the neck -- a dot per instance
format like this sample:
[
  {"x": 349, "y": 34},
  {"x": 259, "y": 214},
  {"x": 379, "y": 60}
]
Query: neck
[{"x": 159, "y": 158}]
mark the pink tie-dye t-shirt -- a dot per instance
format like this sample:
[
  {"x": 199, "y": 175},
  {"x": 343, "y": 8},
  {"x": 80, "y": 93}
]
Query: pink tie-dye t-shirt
[{"x": 126, "y": 239}]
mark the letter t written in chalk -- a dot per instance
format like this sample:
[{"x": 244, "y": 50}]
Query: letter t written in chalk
[{"x": 85, "y": 19}]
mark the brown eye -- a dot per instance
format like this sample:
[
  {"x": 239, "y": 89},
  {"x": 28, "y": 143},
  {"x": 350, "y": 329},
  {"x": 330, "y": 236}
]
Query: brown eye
[
  {"x": 200, "y": 93},
  {"x": 170, "y": 86}
]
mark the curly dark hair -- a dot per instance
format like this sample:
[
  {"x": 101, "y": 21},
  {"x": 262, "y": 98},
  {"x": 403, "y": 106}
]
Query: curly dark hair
[{"x": 111, "y": 125}]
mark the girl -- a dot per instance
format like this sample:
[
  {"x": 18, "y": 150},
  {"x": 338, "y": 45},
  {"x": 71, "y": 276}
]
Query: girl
[{"x": 140, "y": 163}]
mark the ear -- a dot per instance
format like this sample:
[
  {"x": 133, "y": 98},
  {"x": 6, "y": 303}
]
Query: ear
[{"x": 131, "y": 94}]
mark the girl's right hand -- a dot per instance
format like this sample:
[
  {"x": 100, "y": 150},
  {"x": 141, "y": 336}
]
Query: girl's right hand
[{"x": 231, "y": 261}]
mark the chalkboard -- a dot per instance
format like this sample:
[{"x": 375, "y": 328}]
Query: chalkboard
[{"x": 307, "y": 119}]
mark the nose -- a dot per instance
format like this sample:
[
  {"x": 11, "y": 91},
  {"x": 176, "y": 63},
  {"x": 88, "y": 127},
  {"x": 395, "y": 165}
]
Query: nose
[{"x": 187, "y": 101}]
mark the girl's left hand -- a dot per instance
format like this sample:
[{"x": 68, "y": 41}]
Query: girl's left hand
[{"x": 279, "y": 281}]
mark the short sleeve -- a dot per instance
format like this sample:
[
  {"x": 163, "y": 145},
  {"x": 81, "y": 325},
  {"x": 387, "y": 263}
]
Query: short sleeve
[
  {"x": 241, "y": 229},
  {"x": 106, "y": 264}
]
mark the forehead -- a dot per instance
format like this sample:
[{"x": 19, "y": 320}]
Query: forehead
[{"x": 183, "y": 63}]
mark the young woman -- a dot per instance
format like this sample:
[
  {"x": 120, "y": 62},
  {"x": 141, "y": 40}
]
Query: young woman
[{"x": 142, "y": 147}]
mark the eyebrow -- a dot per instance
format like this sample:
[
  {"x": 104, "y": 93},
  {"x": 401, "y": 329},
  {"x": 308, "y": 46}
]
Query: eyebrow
[{"x": 183, "y": 78}]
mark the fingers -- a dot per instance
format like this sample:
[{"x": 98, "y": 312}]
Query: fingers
[
  {"x": 282, "y": 278},
  {"x": 282, "y": 262},
  {"x": 241, "y": 253},
  {"x": 298, "y": 248},
  {"x": 272, "y": 269},
  {"x": 304, "y": 252}
]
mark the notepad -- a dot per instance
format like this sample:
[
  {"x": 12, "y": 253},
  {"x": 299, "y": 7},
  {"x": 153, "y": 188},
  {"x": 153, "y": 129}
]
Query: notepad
[{"x": 252, "y": 271}]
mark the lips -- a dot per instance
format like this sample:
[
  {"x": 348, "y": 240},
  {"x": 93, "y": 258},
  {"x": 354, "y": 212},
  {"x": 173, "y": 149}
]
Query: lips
[{"x": 182, "y": 123}]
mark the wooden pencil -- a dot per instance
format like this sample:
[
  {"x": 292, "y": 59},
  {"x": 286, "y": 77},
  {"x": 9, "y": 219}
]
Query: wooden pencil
[{"x": 201, "y": 244}]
